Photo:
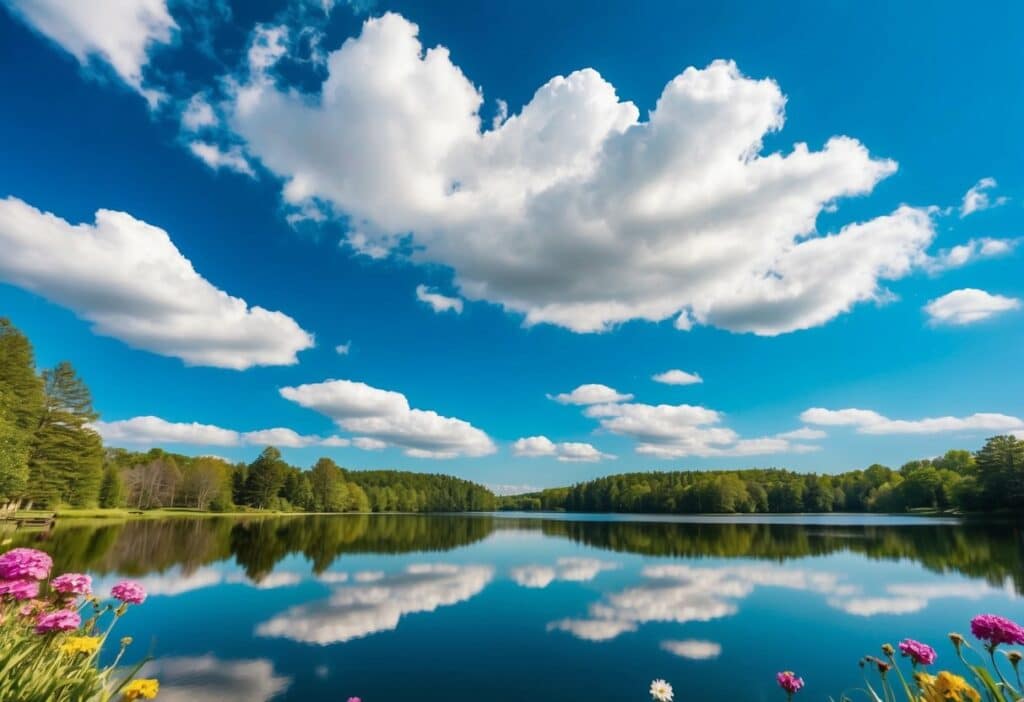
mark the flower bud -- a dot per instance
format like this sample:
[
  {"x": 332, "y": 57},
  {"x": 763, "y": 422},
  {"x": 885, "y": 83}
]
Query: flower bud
[{"x": 888, "y": 650}]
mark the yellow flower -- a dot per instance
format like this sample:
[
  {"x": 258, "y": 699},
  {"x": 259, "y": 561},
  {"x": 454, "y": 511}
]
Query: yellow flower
[
  {"x": 945, "y": 687},
  {"x": 141, "y": 689},
  {"x": 80, "y": 644}
]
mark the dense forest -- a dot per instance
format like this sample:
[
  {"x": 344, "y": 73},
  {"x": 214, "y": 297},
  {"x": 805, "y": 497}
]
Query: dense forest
[
  {"x": 991, "y": 479},
  {"x": 50, "y": 456}
]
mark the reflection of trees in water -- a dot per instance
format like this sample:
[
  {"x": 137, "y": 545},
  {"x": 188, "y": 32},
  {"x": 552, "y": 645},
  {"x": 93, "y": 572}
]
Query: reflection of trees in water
[
  {"x": 257, "y": 544},
  {"x": 993, "y": 552}
]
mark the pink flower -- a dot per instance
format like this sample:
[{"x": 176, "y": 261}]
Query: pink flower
[
  {"x": 19, "y": 589},
  {"x": 997, "y": 630},
  {"x": 789, "y": 682},
  {"x": 354, "y": 699},
  {"x": 129, "y": 591},
  {"x": 21, "y": 563},
  {"x": 919, "y": 653},
  {"x": 61, "y": 620},
  {"x": 72, "y": 584}
]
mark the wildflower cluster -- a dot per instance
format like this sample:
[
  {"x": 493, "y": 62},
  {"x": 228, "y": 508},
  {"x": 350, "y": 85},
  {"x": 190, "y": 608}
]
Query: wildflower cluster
[
  {"x": 988, "y": 680},
  {"x": 52, "y": 633}
]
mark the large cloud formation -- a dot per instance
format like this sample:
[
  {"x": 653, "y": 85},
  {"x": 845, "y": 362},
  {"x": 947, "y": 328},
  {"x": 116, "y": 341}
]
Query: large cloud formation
[
  {"x": 679, "y": 215},
  {"x": 129, "y": 279},
  {"x": 385, "y": 417}
]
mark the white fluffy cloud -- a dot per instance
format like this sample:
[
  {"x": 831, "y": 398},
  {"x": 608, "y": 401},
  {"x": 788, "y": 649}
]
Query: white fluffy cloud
[
  {"x": 871, "y": 422},
  {"x": 803, "y": 433},
  {"x": 355, "y": 611},
  {"x": 437, "y": 301},
  {"x": 569, "y": 451},
  {"x": 128, "y": 279},
  {"x": 968, "y": 305},
  {"x": 154, "y": 431},
  {"x": 674, "y": 431},
  {"x": 216, "y": 158},
  {"x": 591, "y": 394},
  {"x": 118, "y": 32},
  {"x": 977, "y": 197},
  {"x": 574, "y": 211},
  {"x": 969, "y": 252},
  {"x": 385, "y": 417},
  {"x": 677, "y": 377}
]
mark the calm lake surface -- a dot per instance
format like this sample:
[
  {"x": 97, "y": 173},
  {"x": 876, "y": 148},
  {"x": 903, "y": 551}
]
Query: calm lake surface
[{"x": 539, "y": 608}]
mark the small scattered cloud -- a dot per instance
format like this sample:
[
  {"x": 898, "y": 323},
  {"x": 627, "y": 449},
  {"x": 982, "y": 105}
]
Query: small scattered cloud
[
  {"x": 967, "y": 306},
  {"x": 570, "y": 569},
  {"x": 569, "y": 451},
  {"x": 871, "y": 422},
  {"x": 590, "y": 394},
  {"x": 977, "y": 197},
  {"x": 384, "y": 418},
  {"x": 438, "y": 302},
  {"x": 232, "y": 158},
  {"x": 973, "y": 250},
  {"x": 677, "y": 377},
  {"x": 343, "y": 349},
  {"x": 803, "y": 434}
]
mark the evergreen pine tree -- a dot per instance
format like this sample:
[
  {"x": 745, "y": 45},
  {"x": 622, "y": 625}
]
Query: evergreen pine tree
[{"x": 21, "y": 405}]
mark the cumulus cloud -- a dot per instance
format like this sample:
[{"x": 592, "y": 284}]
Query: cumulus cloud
[
  {"x": 803, "y": 433},
  {"x": 871, "y": 422},
  {"x": 967, "y": 306},
  {"x": 973, "y": 250},
  {"x": 977, "y": 197},
  {"x": 673, "y": 431},
  {"x": 590, "y": 394},
  {"x": 154, "y": 431},
  {"x": 216, "y": 158},
  {"x": 677, "y": 377},
  {"x": 118, "y": 32},
  {"x": 437, "y": 301},
  {"x": 570, "y": 451},
  {"x": 693, "y": 649},
  {"x": 385, "y": 417},
  {"x": 128, "y": 279},
  {"x": 570, "y": 569},
  {"x": 575, "y": 211},
  {"x": 356, "y": 611}
]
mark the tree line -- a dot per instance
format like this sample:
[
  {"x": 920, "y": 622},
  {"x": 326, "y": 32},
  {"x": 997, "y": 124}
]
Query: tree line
[
  {"x": 990, "y": 479},
  {"x": 51, "y": 456}
]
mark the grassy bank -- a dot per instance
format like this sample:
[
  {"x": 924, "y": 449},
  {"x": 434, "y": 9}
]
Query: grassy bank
[{"x": 121, "y": 513}]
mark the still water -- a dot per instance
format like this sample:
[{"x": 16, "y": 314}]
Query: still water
[{"x": 539, "y": 608}]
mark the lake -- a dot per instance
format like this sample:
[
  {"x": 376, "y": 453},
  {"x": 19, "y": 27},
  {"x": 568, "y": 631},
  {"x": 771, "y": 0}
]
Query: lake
[{"x": 536, "y": 607}]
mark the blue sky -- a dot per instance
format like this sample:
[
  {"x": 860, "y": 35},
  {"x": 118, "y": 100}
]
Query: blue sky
[{"x": 582, "y": 195}]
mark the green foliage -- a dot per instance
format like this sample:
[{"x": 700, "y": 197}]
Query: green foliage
[
  {"x": 401, "y": 491},
  {"x": 265, "y": 478},
  {"x": 66, "y": 459},
  {"x": 21, "y": 405},
  {"x": 1000, "y": 472},
  {"x": 112, "y": 487}
]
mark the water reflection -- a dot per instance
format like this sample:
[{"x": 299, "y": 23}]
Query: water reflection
[
  {"x": 180, "y": 548},
  {"x": 355, "y": 611},
  {"x": 210, "y": 679}
]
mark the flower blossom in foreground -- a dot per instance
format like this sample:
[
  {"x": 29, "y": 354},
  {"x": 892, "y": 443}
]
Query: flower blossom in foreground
[
  {"x": 19, "y": 589},
  {"x": 61, "y": 620},
  {"x": 789, "y": 682},
  {"x": 661, "y": 691},
  {"x": 25, "y": 563},
  {"x": 997, "y": 630},
  {"x": 142, "y": 689},
  {"x": 81, "y": 644},
  {"x": 129, "y": 591},
  {"x": 919, "y": 653},
  {"x": 945, "y": 687},
  {"x": 72, "y": 584}
]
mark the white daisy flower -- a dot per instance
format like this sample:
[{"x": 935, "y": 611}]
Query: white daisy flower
[{"x": 661, "y": 691}]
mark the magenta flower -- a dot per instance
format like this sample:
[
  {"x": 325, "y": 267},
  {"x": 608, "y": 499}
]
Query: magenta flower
[
  {"x": 23, "y": 563},
  {"x": 129, "y": 591},
  {"x": 72, "y": 584},
  {"x": 997, "y": 630},
  {"x": 354, "y": 699},
  {"x": 19, "y": 589},
  {"x": 61, "y": 620},
  {"x": 789, "y": 682},
  {"x": 919, "y": 653}
]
